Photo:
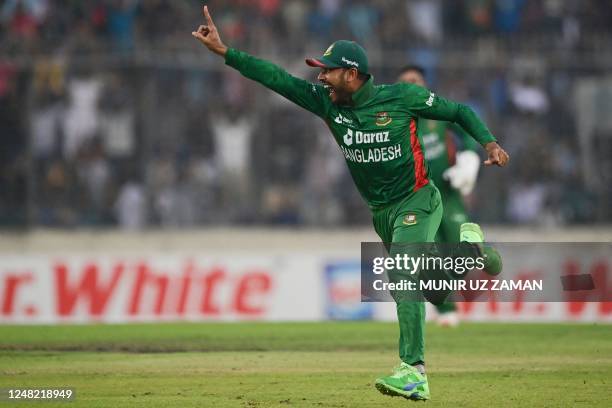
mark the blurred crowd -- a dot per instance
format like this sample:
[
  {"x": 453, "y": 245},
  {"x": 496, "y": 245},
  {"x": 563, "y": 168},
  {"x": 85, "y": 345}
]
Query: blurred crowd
[{"x": 112, "y": 115}]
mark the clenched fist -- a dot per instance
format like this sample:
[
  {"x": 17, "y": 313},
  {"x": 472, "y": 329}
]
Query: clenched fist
[{"x": 496, "y": 154}]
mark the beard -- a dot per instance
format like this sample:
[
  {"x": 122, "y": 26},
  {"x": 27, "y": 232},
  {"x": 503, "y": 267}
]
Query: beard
[
  {"x": 338, "y": 95},
  {"x": 343, "y": 98}
]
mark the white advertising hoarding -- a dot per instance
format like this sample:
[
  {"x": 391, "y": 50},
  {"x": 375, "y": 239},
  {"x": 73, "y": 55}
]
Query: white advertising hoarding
[{"x": 271, "y": 285}]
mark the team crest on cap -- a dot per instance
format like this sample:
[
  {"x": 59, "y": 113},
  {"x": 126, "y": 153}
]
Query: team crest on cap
[
  {"x": 383, "y": 119},
  {"x": 328, "y": 51}
]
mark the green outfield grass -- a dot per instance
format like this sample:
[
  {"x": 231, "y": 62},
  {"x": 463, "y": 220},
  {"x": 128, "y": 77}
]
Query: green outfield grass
[{"x": 307, "y": 365}]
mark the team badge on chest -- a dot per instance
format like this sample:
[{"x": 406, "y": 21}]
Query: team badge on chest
[{"x": 383, "y": 119}]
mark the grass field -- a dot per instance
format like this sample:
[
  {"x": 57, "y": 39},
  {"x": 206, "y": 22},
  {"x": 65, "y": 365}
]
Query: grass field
[{"x": 307, "y": 365}]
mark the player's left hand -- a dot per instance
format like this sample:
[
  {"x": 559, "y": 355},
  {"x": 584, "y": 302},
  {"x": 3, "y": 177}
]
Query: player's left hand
[{"x": 497, "y": 155}]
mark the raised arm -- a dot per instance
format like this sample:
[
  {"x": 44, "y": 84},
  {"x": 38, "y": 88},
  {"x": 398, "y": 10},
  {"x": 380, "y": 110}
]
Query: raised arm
[
  {"x": 303, "y": 93},
  {"x": 427, "y": 104}
]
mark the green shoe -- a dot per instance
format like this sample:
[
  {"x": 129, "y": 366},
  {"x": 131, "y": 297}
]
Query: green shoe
[
  {"x": 470, "y": 232},
  {"x": 405, "y": 382}
]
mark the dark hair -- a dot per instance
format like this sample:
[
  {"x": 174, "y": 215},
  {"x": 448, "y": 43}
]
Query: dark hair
[{"x": 413, "y": 67}]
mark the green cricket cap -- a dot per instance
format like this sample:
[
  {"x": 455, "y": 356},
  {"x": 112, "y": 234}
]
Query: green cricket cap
[{"x": 342, "y": 54}]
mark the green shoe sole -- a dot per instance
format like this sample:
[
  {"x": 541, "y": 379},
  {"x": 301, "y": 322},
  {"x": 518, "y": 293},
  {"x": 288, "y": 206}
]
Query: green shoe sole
[{"x": 391, "y": 391}]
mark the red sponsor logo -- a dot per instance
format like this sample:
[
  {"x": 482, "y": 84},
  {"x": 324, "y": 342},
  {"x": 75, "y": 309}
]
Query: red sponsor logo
[{"x": 124, "y": 289}]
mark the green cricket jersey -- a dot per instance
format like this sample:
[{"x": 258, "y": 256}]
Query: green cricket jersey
[
  {"x": 440, "y": 146},
  {"x": 377, "y": 133}
]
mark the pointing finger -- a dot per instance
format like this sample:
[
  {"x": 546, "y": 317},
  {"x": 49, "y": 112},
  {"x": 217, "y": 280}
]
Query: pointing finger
[{"x": 209, "y": 20}]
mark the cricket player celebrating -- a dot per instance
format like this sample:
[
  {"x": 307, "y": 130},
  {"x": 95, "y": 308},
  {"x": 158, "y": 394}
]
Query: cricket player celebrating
[
  {"x": 454, "y": 173},
  {"x": 375, "y": 127}
]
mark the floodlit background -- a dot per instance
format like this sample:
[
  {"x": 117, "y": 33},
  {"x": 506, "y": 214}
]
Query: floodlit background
[{"x": 113, "y": 119}]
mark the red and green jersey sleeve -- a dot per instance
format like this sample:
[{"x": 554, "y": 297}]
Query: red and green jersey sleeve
[{"x": 377, "y": 132}]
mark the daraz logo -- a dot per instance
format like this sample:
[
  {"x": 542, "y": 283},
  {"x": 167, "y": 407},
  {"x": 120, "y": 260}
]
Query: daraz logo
[
  {"x": 430, "y": 101},
  {"x": 341, "y": 119},
  {"x": 348, "y": 137}
]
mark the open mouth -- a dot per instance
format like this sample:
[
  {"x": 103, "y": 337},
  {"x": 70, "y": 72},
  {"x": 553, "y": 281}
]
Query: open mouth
[{"x": 329, "y": 88}]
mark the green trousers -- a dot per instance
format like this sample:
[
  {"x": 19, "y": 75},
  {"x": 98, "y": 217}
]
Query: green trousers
[
  {"x": 454, "y": 215},
  {"x": 415, "y": 219}
]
